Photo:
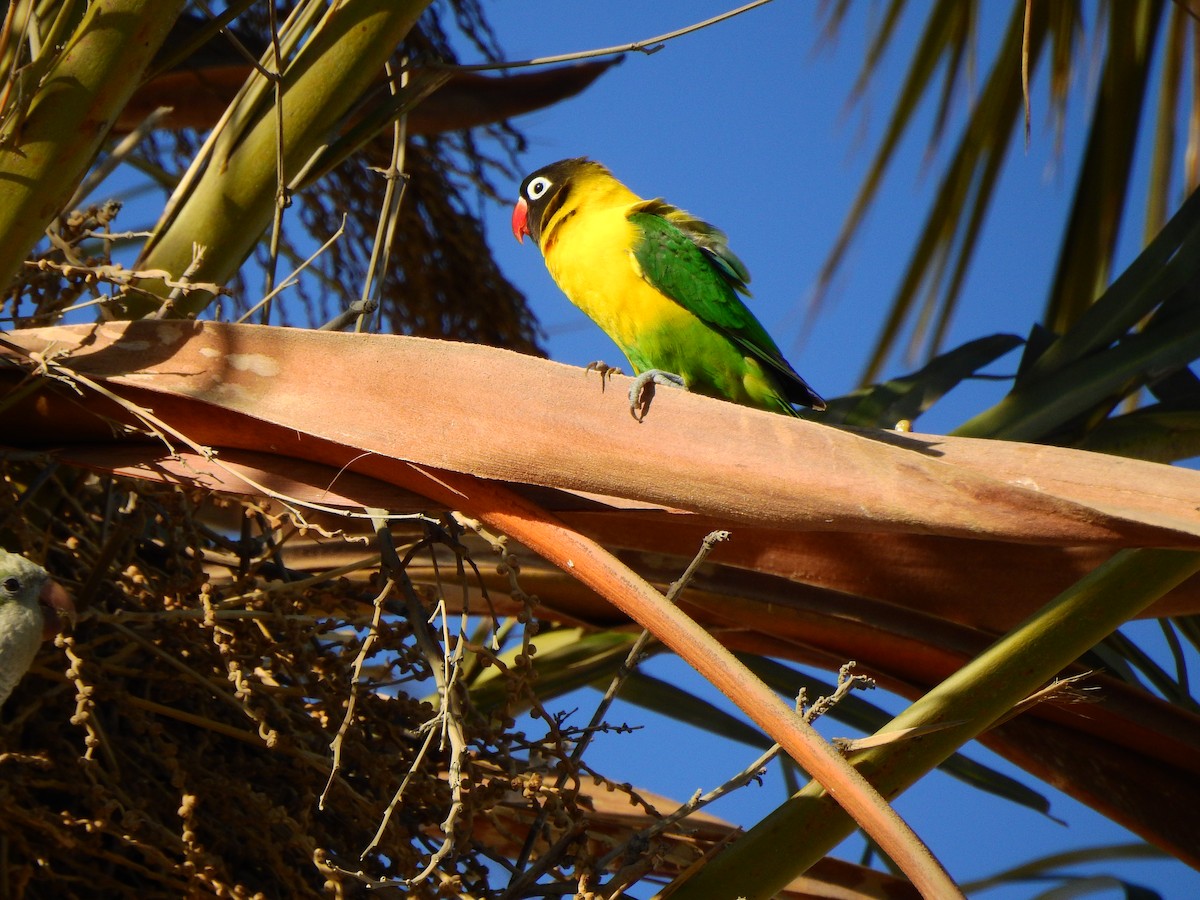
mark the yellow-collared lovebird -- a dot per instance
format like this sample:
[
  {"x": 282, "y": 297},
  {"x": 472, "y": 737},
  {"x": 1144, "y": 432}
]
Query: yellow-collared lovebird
[{"x": 661, "y": 283}]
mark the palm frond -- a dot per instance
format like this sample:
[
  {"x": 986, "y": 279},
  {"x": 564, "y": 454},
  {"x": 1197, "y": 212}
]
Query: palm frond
[{"x": 1134, "y": 39}]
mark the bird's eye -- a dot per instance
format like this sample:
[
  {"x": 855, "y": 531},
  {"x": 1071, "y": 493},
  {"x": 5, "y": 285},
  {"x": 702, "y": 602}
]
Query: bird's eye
[
  {"x": 12, "y": 584},
  {"x": 538, "y": 187}
]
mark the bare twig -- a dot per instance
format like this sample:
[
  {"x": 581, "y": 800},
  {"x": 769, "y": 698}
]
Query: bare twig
[
  {"x": 649, "y": 45},
  {"x": 355, "y": 686},
  {"x": 389, "y": 213},
  {"x": 447, "y": 721},
  {"x": 119, "y": 275},
  {"x": 639, "y": 646},
  {"x": 532, "y": 873},
  {"x": 294, "y": 276},
  {"x": 846, "y": 683},
  {"x": 282, "y": 195},
  {"x": 183, "y": 285}
]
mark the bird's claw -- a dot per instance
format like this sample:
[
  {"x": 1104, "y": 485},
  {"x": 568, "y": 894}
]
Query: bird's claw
[
  {"x": 641, "y": 392},
  {"x": 606, "y": 371}
]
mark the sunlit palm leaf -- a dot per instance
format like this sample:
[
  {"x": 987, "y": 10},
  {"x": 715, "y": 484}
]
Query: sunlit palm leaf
[{"x": 1102, "y": 185}]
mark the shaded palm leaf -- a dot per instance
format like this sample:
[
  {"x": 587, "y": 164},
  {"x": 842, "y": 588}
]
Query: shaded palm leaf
[
  {"x": 1068, "y": 385},
  {"x": 883, "y": 405},
  {"x": 1055, "y": 34}
]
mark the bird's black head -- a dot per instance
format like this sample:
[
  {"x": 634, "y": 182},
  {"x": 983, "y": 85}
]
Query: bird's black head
[{"x": 543, "y": 193}]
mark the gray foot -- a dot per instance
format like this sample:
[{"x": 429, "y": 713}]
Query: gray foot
[
  {"x": 641, "y": 392},
  {"x": 606, "y": 371}
]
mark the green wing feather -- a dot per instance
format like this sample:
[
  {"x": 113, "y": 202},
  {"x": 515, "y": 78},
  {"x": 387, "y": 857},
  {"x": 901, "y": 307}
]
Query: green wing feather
[
  {"x": 688, "y": 260},
  {"x": 710, "y": 239}
]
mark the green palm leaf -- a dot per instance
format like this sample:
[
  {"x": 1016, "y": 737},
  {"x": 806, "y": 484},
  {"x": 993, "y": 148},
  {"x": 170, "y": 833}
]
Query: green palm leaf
[{"x": 1134, "y": 37}]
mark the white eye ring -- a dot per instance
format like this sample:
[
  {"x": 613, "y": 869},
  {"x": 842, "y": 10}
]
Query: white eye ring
[{"x": 538, "y": 187}]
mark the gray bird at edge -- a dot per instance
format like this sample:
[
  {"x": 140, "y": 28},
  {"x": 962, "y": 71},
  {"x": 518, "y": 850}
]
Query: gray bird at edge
[{"x": 31, "y": 605}]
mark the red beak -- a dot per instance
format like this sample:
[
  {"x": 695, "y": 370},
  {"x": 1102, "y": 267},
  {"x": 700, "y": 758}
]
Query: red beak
[
  {"x": 56, "y": 605},
  {"x": 520, "y": 222}
]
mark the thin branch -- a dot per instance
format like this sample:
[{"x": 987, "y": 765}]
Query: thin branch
[
  {"x": 447, "y": 721},
  {"x": 528, "y": 876},
  {"x": 282, "y": 195},
  {"x": 355, "y": 688},
  {"x": 639, "y": 646},
  {"x": 184, "y": 284},
  {"x": 582, "y": 557},
  {"x": 389, "y": 213},
  {"x": 846, "y": 683},
  {"x": 294, "y": 276},
  {"x": 647, "y": 46},
  {"x": 1025, "y": 66}
]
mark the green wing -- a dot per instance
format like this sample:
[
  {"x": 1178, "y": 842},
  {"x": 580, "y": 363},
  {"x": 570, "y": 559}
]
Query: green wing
[
  {"x": 688, "y": 261},
  {"x": 711, "y": 241}
]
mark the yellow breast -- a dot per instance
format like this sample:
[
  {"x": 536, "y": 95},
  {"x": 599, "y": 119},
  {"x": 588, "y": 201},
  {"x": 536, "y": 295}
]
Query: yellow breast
[{"x": 590, "y": 256}]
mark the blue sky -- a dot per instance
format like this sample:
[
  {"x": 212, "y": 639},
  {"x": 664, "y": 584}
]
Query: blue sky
[{"x": 747, "y": 124}]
